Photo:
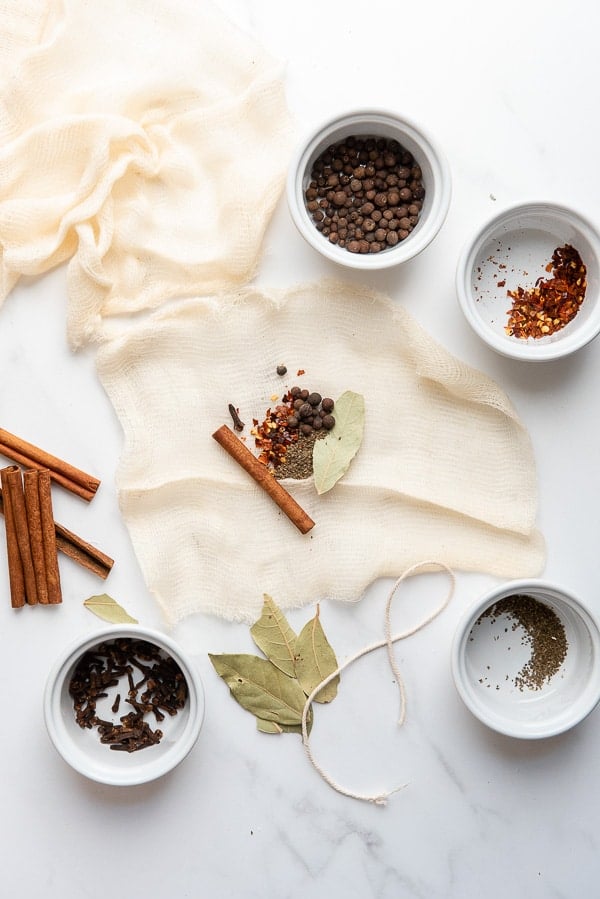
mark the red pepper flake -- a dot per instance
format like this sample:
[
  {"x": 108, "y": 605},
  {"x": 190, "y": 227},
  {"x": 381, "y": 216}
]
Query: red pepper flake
[
  {"x": 273, "y": 436},
  {"x": 501, "y": 284},
  {"x": 300, "y": 372},
  {"x": 551, "y": 304}
]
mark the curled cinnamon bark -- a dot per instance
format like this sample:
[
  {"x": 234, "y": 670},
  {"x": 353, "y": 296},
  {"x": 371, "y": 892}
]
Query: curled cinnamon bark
[
  {"x": 15, "y": 566},
  {"x": 36, "y": 538},
  {"x": 65, "y": 474},
  {"x": 74, "y": 547},
  {"x": 261, "y": 474},
  {"x": 12, "y": 482}
]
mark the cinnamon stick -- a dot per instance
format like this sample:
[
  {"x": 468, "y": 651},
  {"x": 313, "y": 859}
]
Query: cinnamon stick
[
  {"x": 36, "y": 538},
  {"x": 13, "y": 485},
  {"x": 65, "y": 474},
  {"x": 48, "y": 537},
  {"x": 261, "y": 474},
  {"x": 82, "y": 552},
  {"x": 15, "y": 566},
  {"x": 76, "y": 548}
]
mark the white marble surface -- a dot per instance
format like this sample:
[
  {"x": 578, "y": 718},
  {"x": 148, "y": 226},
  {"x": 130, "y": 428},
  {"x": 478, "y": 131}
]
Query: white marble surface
[{"x": 510, "y": 92}]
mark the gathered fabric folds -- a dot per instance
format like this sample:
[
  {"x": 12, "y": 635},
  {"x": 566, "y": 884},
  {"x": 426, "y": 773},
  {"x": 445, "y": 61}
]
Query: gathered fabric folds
[{"x": 144, "y": 141}]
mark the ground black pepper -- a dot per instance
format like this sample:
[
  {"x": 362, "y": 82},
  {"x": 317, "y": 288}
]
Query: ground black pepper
[
  {"x": 299, "y": 458},
  {"x": 542, "y": 630}
]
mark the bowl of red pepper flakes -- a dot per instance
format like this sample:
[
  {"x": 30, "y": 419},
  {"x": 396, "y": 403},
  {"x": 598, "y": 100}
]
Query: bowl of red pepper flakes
[{"x": 528, "y": 282}]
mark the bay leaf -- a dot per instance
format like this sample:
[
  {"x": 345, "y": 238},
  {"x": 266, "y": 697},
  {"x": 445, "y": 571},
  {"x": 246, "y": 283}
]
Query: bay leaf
[
  {"x": 107, "y": 608},
  {"x": 274, "y": 636},
  {"x": 273, "y": 727},
  {"x": 333, "y": 454},
  {"x": 315, "y": 660},
  {"x": 261, "y": 688}
]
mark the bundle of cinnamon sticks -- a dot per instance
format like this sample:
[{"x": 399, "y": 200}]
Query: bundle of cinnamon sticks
[
  {"x": 33, "y": 538},
  {"x": 30, "y": 537}
]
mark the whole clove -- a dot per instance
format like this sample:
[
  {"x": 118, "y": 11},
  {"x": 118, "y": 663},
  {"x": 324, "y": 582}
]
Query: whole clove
[
  {"x": 107, "y": 666},
  {"x": 238, "y": 424}
]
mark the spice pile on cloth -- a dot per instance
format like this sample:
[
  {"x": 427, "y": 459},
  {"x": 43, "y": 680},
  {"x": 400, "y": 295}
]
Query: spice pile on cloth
[
  {"x": 145, "y": 141},
  {"x": 445, "y": 469}
]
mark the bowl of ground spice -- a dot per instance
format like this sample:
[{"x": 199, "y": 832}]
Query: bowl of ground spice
[
  {"x": 368, "y": 189},
  {"x": 528, "y": 282},
  {"x": 526, "y": 659},
  {"x": 123, "y": 706}
]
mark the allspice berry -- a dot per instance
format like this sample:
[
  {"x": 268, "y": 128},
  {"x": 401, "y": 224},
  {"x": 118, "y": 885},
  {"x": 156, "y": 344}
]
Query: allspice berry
[
  {"x": 356, "y": 193},
  {"x": 327, "y": 404},
  {"x": 328, "y": 422}
]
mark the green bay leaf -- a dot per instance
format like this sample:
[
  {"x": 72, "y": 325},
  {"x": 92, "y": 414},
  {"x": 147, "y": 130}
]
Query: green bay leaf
[
  {"x": 273, "y": 727},
  {"x": 333, "y": 454},
  {"x": 261, "y": 688},
  {"x": 274, "y": 636},
  {"x": 315, "y": 660},
  {"x": 107, "y": 608}
]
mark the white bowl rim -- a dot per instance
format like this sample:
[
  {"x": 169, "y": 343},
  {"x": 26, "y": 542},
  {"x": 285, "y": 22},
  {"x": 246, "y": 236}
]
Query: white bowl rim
[
  {"x": 539, "y": 586},
  {"x": 417, "y": 241},
  {"x": 522, "y": 351},
  {"x": 141, "y": 773}
]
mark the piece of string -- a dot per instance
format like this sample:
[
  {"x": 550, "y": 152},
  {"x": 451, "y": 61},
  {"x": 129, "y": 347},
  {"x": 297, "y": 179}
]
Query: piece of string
[{"x": 380, "y": 799}]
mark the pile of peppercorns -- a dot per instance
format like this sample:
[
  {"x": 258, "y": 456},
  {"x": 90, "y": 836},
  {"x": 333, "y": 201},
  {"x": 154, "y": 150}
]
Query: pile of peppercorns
[
  {"x": 312, "y": 412},
  {"x": 365, "y": 194}
]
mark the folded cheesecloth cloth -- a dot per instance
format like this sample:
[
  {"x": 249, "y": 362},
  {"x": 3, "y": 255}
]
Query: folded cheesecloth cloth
[{"x": 146, "y": 144}]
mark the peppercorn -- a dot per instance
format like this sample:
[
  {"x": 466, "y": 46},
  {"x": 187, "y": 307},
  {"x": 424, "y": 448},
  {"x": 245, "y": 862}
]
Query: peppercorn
[
  {"x": 306, "y": 430},
  {"x": 328, "y": 422},
  {"x": 305, "y": 410},
  {"x": 375, "y": 182},
  {"x": 305, "y": 394},
  {"x": 314, "y": 399},
  {"x": 327, "y": 404},
  {"x": 281, "y": 370}
]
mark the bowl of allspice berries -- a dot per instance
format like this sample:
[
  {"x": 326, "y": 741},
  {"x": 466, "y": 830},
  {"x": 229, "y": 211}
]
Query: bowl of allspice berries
[{"x": 369, "y": 189}]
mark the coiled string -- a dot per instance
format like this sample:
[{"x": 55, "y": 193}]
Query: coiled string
[{"x": 380, "y": 799}]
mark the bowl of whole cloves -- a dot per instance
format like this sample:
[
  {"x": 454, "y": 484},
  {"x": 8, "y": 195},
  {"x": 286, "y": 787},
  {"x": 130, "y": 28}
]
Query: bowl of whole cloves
[
  {"x": 526, "y": 659},
  {"x": 124, "y": 706}
]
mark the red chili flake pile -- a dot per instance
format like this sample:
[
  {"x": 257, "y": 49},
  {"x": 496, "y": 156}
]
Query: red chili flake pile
[
  {"x": 272, "y": 436},
  {"x": 546, "y": 308}
]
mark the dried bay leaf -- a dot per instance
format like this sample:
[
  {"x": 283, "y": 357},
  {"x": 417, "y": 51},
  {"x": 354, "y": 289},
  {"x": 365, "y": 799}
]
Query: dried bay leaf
[
  {"x": 107, "y": 608},
  {"x": 315, "y": 660},
  {"x": 274, "y": 636},
  {"x": 333, "y": 454},
  {"x": 261, "y": 688},
  {"x": 273, "y": 727}
]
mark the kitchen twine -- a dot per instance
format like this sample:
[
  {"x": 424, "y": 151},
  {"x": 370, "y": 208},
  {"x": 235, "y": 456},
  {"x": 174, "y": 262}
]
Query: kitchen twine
[{"x": 389, "y": 640}]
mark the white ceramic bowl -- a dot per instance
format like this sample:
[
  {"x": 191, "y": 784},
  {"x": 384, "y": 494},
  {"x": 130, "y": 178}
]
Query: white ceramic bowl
[
  {"x": 514, "y": 247},
  {"x": 488, "y": 654},
  {"x": 82, "y": 748},
  {"x": 383, "y": 124}
]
